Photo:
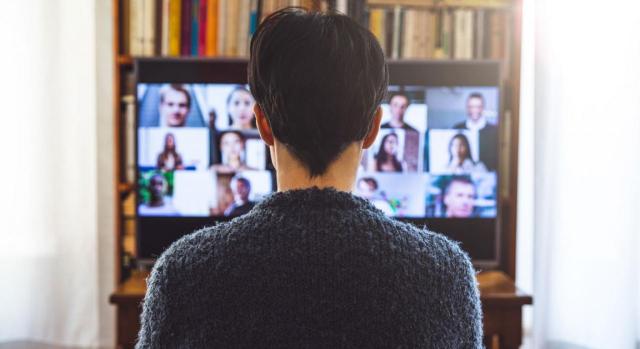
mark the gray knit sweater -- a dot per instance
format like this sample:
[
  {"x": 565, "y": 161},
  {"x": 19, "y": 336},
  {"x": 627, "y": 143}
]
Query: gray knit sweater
[{"x": 312, "y": 268}]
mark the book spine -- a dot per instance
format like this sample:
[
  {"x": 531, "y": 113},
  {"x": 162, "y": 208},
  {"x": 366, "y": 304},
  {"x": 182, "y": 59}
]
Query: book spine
[
  {"x": 164, "y": 32},
  {"x": 253, "y": 18},
  {"x": 397, "y": 16},
  {"x": 244, "y": 16},
  {"x": 135, "y": 24},
  {"x": 149, "y": 30},
  {"x": 446, "y": 39},
  {"x": 174, "y": 27},
  {"x": 478, "y": 42},
  {"x": 185, "y": 28},
  {"x": 231, "y": 31},
  {"x": 432, "y": 34},
  {"x": 408, "y": 34},
  {"x": 125, "y": 35},
  {"x": 129, "y": 123},
  {"x": 202, "y": 29},
  {"x": 222, "y": 26},
  {"x": 375, "y": 24},
  {"x": 212, "y": 28},
  {"x": 195, "y": 26}
]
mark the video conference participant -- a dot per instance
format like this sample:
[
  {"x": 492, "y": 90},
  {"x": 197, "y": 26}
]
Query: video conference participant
[
  {"x": 158, "y": 204},
  {"x": 310, "y": 265},
  {"x": 459, "y": 196},
  {"x": 233, "y": 153},
  {"x": 368, "y": 189},
  {"x": 241, "y": 189},
  {"x": 240, "y": 108},
  {"x": 487, "y": 133},
  {"x": 460, "y": 160},
  {"x": 386, "y": 159},
  {"x": 398, "y": 105},
  {"x": 175, "y": 103},
  {"x": 169, "y": 159}
]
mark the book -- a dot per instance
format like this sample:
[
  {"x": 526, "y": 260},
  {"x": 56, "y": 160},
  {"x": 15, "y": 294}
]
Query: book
[
  {"x": 231, "y": 28},
  {"x": 211, "y": 40},
  {"x": 125, "y": 34},
  {"x": 202, "y": 28},
  {"x": 129, "y": 122},
  {"x": 149, "y": 28},
  {"x": 222, "y": 26},
  {"x": 478, "y": 34},
  {"x": 377, "y": 25},
  {"x": 409, "y": 34},
  {"x": 164, "y": 31},
  {"x": 397, "y": 26},
  {"x": 244, "y": 16},
  {"x": 136, "y": 27},
  {"x": 174, "y": 27},
  {"x": 185, "y": 28},
  {"x": 195, "y": 26}
]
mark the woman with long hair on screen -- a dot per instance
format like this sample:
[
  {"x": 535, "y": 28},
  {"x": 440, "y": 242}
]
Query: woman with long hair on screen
[
  {"x": 240, "y": 108},
  {"x": 460, "y": 160},
  {"x": 233, "y": 153},
  {"x": 386, "y": 159},
  {"x": 169, "y": 159}
]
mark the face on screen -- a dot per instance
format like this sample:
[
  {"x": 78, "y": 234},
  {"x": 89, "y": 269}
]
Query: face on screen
[
  {"x": 199, "y": 153},
  {"x": 436, "y": 153}
]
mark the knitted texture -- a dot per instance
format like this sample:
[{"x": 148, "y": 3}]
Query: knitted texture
[{"x": 312, "y": 268}]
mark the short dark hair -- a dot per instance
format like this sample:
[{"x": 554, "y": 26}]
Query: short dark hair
[
  {"x": 476, "y": 95},
  {"x": 319, "y": 78}
]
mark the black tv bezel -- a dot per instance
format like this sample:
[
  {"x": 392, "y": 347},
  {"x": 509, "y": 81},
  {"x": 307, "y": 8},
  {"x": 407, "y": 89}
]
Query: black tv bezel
[{"x": 154, "y": 234}]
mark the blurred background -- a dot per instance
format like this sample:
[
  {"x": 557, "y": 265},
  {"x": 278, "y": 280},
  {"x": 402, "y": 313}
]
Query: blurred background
[{"x": 570, "y": 71}]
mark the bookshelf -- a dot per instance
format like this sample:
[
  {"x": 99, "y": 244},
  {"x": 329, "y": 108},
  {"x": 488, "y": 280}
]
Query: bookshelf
[{"x": 504, "y": 45}]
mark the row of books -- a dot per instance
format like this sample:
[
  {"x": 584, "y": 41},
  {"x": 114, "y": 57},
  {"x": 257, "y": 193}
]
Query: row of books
[
  {"x": 225, "y": 27},
  {"x": 421, "y": 33},
  {"x": 198, "y": 27}
]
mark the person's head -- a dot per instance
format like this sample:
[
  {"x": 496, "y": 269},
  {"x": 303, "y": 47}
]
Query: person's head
[
  {"x": 318, "y": 80},
  {"x": 169, "y": 142},
  {"x": 475, "y": 106},
  {"x": 240, "y": 107},
  {"x": 232, "y": 145},
  {"x": 241, "y": 188},
  {"x": 398, "y": 104},
  {"x": 389, "y": 145},
  {"x": 458, "y": 197},
  {"x": 459, "y": 148},
  {"x": 156, "y": 188},
  {"x": 367, "y": 186},
  {"x": 175, "y": 103}
]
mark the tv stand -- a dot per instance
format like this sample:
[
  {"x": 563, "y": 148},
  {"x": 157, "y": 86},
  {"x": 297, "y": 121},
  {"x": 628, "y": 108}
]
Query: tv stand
[{"x": 501, "y": 307}]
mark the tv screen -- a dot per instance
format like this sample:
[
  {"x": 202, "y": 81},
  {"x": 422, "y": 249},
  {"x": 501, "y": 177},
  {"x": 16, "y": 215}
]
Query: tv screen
[{"x": 434, "y": 163}]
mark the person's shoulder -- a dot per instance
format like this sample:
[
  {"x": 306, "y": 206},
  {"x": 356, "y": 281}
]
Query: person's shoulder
[
  {"x": 435, "y": 249},
  {"x": 191, "y": 249}
]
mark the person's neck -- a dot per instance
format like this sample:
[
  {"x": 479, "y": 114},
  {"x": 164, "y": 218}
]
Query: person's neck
[{"x": 340, "y": 174}]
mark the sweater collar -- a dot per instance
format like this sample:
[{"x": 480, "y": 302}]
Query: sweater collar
[{"x": 314, "y": 198}]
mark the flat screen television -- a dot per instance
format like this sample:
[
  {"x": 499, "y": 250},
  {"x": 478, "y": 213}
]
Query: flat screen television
[{"x": 200, "y": 159}]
